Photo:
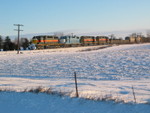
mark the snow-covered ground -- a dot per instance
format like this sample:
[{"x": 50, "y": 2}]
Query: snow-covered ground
[
  {"x": 102, "y": 73},
  {"x": 11, "y": 102}
]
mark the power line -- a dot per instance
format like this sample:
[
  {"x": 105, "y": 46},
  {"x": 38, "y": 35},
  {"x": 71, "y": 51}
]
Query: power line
[{"x": 18, "y": 35}]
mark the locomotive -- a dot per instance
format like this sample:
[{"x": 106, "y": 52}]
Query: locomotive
[
  {"x": 45, "y": 41},
  {"x": 102, "y": 40},
  {"x": 88, "y": 40},
  {"x": 69, "y": 41}
]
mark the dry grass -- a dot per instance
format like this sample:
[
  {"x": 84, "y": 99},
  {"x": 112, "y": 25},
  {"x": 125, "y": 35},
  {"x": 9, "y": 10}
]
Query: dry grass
[{"x": 71, "y": 94}]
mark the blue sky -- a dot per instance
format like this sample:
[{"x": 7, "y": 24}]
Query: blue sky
[{"x": 42, "y": 16}]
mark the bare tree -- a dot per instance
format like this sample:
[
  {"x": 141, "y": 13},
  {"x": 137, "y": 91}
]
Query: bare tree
[
  {"x": 58, "y": 34},
  {"x": 112, "y": 36},
  {"x": 148, "y": 33},
  {"x": 133, "y": 35},
  {"x": 24, "y": 43}
]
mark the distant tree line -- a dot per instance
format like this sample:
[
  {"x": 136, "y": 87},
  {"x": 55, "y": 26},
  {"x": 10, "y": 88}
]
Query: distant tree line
[{"x": 6, "y": 44}]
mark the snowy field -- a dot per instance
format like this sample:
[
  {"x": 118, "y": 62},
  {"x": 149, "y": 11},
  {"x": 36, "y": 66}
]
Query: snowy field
[{"x": 102, "y": 73}]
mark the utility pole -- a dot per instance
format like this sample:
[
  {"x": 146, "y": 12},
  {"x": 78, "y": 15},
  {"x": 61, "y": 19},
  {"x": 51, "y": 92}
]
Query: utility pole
[{"x": 18, "y": 35}]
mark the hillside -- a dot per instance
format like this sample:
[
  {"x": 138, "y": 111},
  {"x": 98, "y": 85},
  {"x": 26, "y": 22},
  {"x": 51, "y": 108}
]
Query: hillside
[{"x": 110, "y": 74}]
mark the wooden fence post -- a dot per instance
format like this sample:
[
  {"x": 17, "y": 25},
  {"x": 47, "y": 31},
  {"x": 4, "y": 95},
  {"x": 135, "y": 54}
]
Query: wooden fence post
[
  {"x": 76, "y": 86},
  {"x": 134, "y": 94}
]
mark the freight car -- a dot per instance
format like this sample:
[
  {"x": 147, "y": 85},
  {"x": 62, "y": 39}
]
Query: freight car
[{"x": 145, "y": 40}]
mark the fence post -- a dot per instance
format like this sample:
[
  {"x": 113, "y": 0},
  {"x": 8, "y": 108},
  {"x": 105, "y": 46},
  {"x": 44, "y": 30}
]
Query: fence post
[
  {"x": 76, "y": 86},
  {"x": 134, "y": 94}
]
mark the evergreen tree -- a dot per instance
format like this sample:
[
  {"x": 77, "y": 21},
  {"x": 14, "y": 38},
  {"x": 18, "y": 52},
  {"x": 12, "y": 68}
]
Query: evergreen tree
[
  {"x": 8, "y": 45},
  {"x": 1, "y": 42},
  {"x": 12, "y": 46}
]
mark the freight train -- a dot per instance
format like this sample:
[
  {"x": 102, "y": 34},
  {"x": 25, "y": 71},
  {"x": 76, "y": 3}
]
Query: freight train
[{"x": 46, "y": 41}]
